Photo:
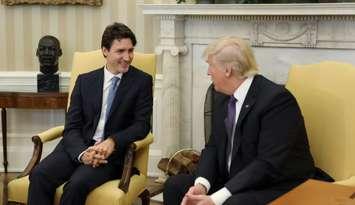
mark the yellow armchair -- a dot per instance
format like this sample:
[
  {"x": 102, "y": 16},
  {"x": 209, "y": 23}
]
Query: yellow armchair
[
  {"x": 122, "y": 191},
  {"x": 325, "y": 93}
]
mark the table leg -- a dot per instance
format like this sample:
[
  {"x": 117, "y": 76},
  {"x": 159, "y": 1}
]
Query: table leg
[{"x": 4, "y": 137}]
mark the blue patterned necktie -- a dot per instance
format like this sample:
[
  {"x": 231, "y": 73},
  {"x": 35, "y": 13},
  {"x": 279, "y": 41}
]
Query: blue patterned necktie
[
  {"x": 229, "y": 123},
  {"x": 111, "y": 94}
]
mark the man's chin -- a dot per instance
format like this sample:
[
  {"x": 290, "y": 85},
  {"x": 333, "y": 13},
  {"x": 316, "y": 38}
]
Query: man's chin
[
  {"x": 214, "y": 85},
  {"x": 124, "y": 69},
  {"x": 216, "y": 88}
]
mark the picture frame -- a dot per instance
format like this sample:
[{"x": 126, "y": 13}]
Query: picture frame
[{"x": 53, "y": 2}]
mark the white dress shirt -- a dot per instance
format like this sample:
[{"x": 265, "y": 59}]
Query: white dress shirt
[
  {"x": 220, "y": 196},
  {"x": 99, "y": 132}
]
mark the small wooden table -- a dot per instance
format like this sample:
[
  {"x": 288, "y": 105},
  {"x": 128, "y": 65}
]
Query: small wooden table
[
  {"x": 313, "y": 192},
  {"x": 27, "y": 100},
  {"x": 154, "y": 187}
]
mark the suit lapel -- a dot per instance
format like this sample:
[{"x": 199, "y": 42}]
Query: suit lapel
[
  {"x": 220, "y": 112},
  {"x": 245, "y": 109},
  {"x": 122, "y": 90},
  {"x": 97, "y": 88}
]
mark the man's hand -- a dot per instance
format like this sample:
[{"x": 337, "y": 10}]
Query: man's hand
[
  {"x": 88, "y": 156},
  {"x": 197, "y": 190},
  {"x": 199, "y": 200},
  {"x": 92, "y": 158},
  {"x": 105, "y": 148}
]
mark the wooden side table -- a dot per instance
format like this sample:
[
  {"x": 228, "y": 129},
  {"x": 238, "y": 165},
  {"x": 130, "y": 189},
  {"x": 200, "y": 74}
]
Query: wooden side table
[
  {"x": 153, "y": 187},
  {"x": 27, "y": 100},
  {"x": 318, "y": 192}
]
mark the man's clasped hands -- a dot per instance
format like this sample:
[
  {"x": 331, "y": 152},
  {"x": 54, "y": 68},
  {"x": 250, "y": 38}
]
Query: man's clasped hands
[{"x": 98, "y": 153}]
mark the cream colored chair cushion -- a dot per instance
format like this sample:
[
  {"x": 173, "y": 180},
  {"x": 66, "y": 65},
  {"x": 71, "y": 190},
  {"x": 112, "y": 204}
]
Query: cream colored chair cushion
[
  {"x": 325, "y": 93},
  {"x": 17, "y": 190},
  {"x": 108, "y": 192}
]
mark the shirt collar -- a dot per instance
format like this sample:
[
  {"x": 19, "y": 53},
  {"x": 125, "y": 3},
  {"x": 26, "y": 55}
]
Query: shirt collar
[
  {"x": 242, "y": 90},
  {"x": 109, "y": 75}
]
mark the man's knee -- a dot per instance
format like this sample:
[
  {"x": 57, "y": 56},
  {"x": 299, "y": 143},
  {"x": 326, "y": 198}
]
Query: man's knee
[
  {"x": 78, "y": 186},
  {"x": 177, "y": 186},
  {"x": 242, "y": 198},
  {"x": 171, "y": 183},
  {"x": 37, "y": 174},
  {"x": 73, "y": 186},
  {"x": 179, "y": 182}
]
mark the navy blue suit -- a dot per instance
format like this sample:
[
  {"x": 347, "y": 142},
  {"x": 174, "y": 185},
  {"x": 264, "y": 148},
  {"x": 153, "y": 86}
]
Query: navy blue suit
[
  {"x": 129, "y": 120},
  {"x": 270, "y": 153}
]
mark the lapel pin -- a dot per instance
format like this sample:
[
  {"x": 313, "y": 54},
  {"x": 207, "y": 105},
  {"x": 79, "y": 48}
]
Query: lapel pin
[{"x": 246, "y": 106}]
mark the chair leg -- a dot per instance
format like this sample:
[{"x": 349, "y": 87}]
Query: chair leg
[{"x": 145, "y": 197}]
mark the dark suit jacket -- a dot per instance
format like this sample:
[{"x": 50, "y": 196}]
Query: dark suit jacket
[
  {"x": 271, "y": 145},
  {"x": 128, "y": 121}
]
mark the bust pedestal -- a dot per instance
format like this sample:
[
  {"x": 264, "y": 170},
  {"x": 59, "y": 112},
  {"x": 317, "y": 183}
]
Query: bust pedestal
[{"x": 48, "y": 83}]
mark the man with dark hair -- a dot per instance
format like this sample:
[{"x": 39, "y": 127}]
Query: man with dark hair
[
  {"x": 258, "y": 148},
  {"x": 110, "y": 108}
]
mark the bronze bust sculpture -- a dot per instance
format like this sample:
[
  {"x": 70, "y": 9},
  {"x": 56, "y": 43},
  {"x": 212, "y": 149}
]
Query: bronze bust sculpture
[{"x": 48, "y": 53}]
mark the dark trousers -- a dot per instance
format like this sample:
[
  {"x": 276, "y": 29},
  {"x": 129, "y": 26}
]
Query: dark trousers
[
  {"x": 176, "y": 187},
  {"x": 58, "y": 168}
]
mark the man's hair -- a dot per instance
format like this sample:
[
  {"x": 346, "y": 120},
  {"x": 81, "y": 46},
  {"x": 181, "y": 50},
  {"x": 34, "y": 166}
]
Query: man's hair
[
  {"x": 116, "y": 31},
  {"x": 235, "y": 52}
]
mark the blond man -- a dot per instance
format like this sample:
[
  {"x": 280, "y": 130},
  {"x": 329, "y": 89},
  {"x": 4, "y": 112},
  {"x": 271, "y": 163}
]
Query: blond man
[{"x": 258, "y": 148}]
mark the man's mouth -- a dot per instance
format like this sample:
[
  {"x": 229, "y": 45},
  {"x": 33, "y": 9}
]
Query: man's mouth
[{"x": 124, "y": 64}]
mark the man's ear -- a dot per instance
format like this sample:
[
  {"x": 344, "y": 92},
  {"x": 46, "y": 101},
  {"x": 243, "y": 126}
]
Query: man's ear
[
  {"x": 228, "y": 70},
  {"x": 104, "y": 51}
]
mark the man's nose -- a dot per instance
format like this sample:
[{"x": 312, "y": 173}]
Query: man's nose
[{"x": 126, "y": 56}]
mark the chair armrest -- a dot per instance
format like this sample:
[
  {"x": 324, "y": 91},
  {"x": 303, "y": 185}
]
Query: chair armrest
[
  {"x": 347, "y": 182},
  {"x": 128, "y": 161},
  {"x": 51, "y": 134},
  {"x": 38, "y": 141},
  {"x": 144, "y": 142}
]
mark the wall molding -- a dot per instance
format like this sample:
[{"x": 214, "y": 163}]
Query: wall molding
[
  {"x": 272, "y": 18},
  {"x": 337, "y": 9},
  {"x": 26, "y": 81}
]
